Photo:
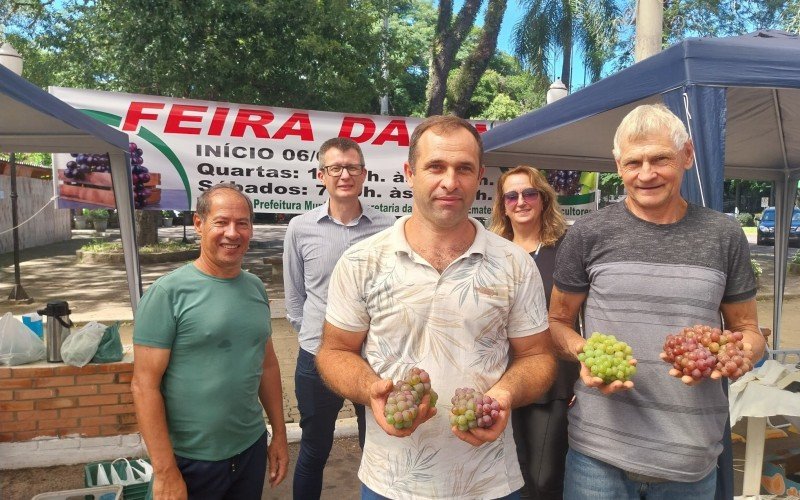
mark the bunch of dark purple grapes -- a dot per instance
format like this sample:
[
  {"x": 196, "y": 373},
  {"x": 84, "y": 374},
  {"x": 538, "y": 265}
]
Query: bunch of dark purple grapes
[
  {"x": 403, "y": 402},
  {"x": 565, "y": 182},
  {"x": 140, "y": 176},
  {"x": 472, "y": 409},
  {"x": 84, "y": 163}
]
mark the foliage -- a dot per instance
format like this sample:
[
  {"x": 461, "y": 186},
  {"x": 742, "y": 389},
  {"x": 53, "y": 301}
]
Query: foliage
[
  {"x": 757, "y": 271},
  {"x": 280, "y": 53},
  {"x": 708, "y": 18},
  {"x": 796, "y": 257},
  {"x": 505, "y": 91},
  {"x": 745, "y": 219},
  {"x": 551, "y": 27},
  {"x": 95, "y": 214},
  {"x": 449, "y": 36},
  {"x": 610, "y": 185},
  {"x": 99, "y": 246}
]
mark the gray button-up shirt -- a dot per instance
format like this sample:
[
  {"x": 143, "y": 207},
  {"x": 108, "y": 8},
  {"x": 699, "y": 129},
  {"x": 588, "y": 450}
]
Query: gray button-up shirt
[{"x": 313, "y": 244}]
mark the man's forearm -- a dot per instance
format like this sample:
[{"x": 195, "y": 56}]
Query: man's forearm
[
  {"x": 566, "y": 340},
  {"x": 528, "y": 378},
  {"x": 271, "y": 395},
  {"x": 346, "y": 373},
  {"x": 152, "y": 419}
]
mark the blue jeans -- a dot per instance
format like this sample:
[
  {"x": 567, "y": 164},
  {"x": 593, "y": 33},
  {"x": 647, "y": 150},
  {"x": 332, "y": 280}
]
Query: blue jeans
[
  {"x": 319, "y": 407},
  {"x": 591, "y": 479},
  {"x": 368, "y": 494}
]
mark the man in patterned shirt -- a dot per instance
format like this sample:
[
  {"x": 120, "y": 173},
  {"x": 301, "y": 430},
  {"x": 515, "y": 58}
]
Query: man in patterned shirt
[
  {"x": 439, "y": 292},
  {"x": 643, "y": 269}
]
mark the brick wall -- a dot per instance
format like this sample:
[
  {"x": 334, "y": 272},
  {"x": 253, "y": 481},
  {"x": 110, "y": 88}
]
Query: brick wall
[{"x": 59, "y": 400}]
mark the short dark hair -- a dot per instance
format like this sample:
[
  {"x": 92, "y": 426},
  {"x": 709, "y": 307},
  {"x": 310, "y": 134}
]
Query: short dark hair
[
  {"x": 343, "y": 144},
  {"x": 204, "y": 201},
  {"x": 442, "y": 123}
]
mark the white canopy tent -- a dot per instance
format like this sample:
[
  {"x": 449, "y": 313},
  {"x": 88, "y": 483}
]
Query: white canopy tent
[{"x": 31, "y": 120}]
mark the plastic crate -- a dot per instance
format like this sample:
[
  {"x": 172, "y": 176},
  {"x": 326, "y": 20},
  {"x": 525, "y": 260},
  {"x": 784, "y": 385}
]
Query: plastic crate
[
  {"x": 129, "y": 492},
  {"x": 110, "y": 492}
]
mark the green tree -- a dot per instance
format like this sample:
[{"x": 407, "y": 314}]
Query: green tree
[
  {"x": 552, "y": 27},
  {"x": 706, "y": 18},
  {"x": 449, "y": 36}
]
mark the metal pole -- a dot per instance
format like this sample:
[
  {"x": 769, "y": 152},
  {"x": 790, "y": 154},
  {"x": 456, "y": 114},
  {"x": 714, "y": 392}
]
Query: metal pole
[
  {"x": 185, "y": 215},
  {"x": 17, "y": 293}
]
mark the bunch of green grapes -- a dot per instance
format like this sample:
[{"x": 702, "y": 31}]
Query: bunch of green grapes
[
  {"x": 608, "y": 358},
  {"x": 402, "y": 405}
]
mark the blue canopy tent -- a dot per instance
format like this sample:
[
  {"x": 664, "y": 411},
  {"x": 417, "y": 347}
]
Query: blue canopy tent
[
  {"x": 31, "y": 120},
  {"x": 739, "y": 96}
]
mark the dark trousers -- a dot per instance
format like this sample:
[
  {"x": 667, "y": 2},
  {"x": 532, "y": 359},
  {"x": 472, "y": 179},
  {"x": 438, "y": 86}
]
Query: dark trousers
[
  {"x": 240, "y": 477},
  {"x": 540, "y": 433},
  {"x": 319, "y": 407}
]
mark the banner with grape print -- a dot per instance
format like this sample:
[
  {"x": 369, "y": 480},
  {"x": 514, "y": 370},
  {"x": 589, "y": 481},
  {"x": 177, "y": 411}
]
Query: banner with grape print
[{"x": 181, "y": 147}]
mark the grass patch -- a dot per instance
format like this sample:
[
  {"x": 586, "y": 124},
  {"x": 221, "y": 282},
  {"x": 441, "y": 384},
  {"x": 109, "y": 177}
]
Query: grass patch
[
  {"x": 750, "y": 231},
  {"x": 97, "y": 246}
]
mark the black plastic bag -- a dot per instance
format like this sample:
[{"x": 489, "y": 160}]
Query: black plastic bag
[{"x": 110, "y": 348}]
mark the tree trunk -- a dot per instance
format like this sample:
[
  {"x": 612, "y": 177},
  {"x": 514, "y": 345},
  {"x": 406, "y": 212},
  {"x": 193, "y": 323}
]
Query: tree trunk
[
  {"x": 147, "y": 226},
  {"x": 446, "y": 42},
  {"x": 475, "y": 65},
  {"x": 566, "y": 65}
]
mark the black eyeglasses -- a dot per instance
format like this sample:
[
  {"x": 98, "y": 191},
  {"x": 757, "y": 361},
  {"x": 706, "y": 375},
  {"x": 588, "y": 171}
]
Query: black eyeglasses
[
  {"x": 529, "y": 195},
  {"x": 336, "y": 170}
]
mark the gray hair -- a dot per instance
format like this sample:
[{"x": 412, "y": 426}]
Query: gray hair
[
  {"x": 647, "y": 119},
  {"x": 204, "y": 201}
]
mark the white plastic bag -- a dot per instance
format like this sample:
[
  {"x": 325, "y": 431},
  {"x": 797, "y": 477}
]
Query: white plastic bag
[
  {"x": 18, "y": 344},
  {"x": 79, "y": 348},
  {"x": 102, "y": 477},
  {"x": 146, "y": 469},
  {"x": 133, "y": 475}
]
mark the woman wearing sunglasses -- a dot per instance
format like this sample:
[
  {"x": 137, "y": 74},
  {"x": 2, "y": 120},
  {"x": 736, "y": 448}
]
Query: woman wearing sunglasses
[{"x": 526, "y": 212}]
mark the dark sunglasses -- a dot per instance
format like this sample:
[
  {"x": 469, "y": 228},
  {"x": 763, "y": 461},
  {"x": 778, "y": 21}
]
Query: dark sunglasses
[{"x": 529, "y": 195}]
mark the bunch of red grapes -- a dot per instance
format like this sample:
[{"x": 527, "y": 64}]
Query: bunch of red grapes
[
  {"x": 84, "y": 164},
  {"x": 139, "y": 176},
  {"x": 697, "y": 351},
  {"x": 565, "y": 182},
  {"x": 402, "y": 405},
  {"x": 472, "y": 409}
]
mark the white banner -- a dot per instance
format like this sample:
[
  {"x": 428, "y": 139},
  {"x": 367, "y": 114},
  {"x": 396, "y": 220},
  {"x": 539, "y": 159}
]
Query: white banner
[{"x": 186, "y": 146}]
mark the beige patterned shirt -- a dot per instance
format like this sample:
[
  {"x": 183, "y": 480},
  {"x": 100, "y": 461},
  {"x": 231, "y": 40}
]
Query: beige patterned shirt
[{"x": 456, "y": 326}]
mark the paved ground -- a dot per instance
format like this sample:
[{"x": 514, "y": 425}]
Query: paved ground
[{"x": 99, "y": 292}]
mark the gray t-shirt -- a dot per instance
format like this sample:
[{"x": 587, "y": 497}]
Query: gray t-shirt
[{"x": 645, "y": 281}]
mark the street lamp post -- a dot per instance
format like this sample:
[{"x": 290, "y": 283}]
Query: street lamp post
[
  {"x": 11, "y": 59},
  {"x": 556, "y": 91}
]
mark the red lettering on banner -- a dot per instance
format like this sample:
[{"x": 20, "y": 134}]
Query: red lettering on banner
[
  {"x": 481, "y": 127},
  {"x": 395, "y": 131},
  {"x": 136, "y": 114},
  {"x": 218, "y": 122},
  {"x": 177, "y": 115},
  {"x": 254, "y": 119},
  {"x": 349, "y": 122},
  {"x": 304, "y": 131}
]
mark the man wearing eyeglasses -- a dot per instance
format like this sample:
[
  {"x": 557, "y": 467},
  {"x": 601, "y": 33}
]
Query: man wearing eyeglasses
[
  {"x": 439, "y": 292},
  {"x": 314, "y": 242}
]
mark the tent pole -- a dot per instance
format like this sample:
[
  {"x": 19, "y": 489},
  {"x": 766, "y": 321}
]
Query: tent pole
[
  {"x": 783, "y": 214},
  {"x": 121, "y": 180}
]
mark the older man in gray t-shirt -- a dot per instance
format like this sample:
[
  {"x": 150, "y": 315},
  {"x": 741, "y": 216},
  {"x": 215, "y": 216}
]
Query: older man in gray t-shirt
[{"x": 643, "y": 269}]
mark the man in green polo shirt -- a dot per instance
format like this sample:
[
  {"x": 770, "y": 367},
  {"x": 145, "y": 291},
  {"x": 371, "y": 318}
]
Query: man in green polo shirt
[{"x": 203, "y": 360}]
